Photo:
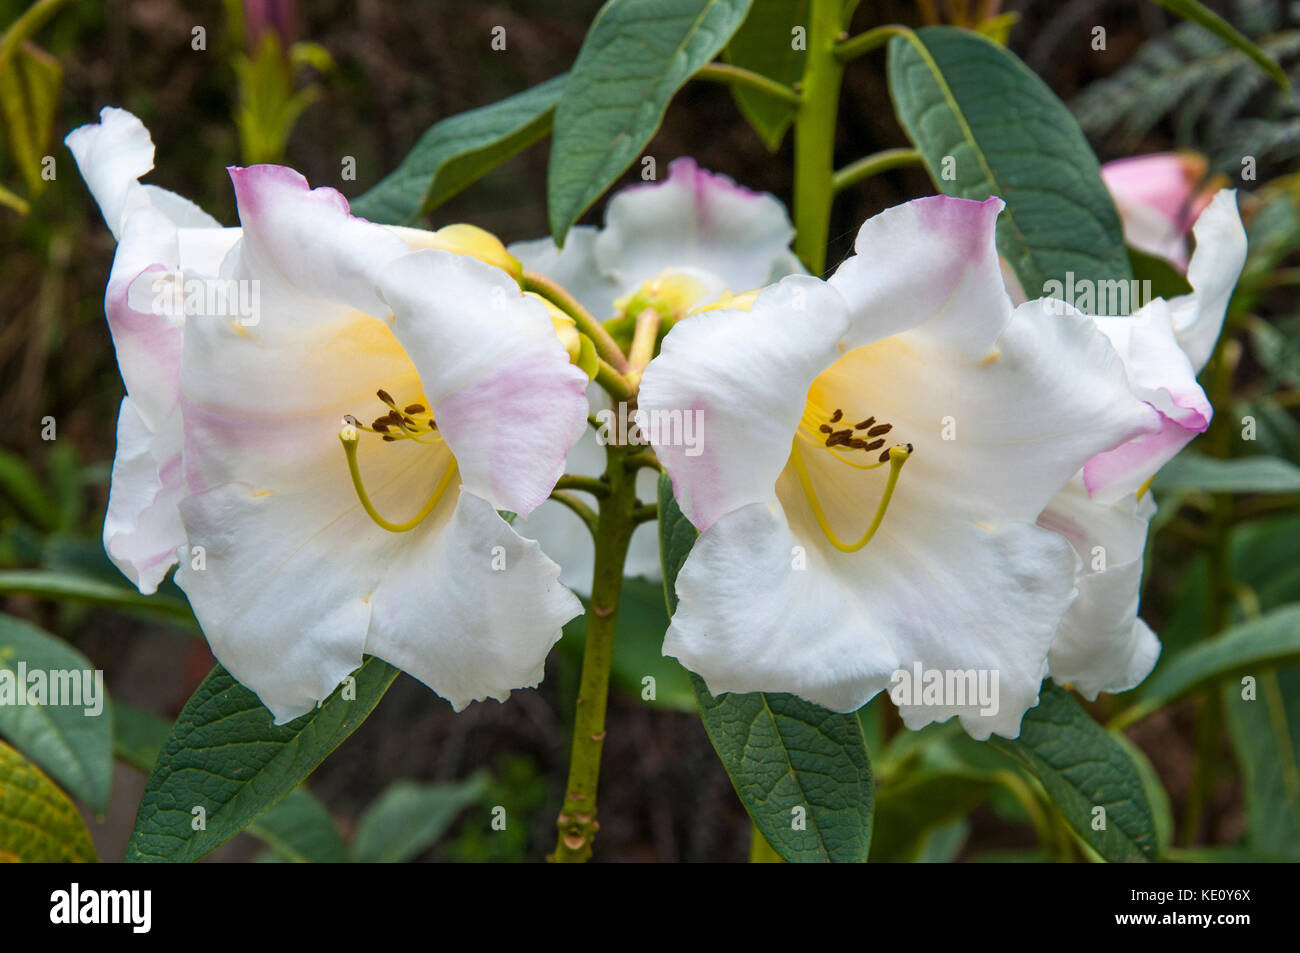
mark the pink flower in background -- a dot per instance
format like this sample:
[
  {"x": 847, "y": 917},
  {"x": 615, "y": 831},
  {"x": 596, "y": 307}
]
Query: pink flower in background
[{"x": 1159, "y": 196}]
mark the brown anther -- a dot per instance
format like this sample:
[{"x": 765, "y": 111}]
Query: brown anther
[
  {"x": 835, "y": 417},
  {"x": 826, "y": 428},
  {"x": 865, "y": 424},
  {"x": 415, "y": 408},
  {"x": 884, "y": 457},
  {"x": 857, "y": 443},
  {"x": 385, "y": 397},
  {"x": 839, "y": 437},
  {"x": 381, "y": 425},
  {"x": 879, "y": 429},
  {"x": 874, "y": 444},
  {"x": 389, "y": 439}
]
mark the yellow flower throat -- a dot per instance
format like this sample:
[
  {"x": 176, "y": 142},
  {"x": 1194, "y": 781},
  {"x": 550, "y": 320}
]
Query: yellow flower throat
[{"x": 412, "y": 422}]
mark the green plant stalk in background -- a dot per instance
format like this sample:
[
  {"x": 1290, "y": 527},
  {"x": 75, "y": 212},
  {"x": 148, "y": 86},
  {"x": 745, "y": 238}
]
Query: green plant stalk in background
[{"x": 814, "y": 135}]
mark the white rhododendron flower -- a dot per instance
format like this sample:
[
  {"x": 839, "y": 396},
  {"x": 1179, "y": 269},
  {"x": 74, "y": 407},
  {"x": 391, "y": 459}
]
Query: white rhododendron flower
[
  {"x": 344, "y": 454},
  {"x": 879, "y": 449},
  {"x": 684, "y": 241},
  {"x": 1103, "y": 646}
]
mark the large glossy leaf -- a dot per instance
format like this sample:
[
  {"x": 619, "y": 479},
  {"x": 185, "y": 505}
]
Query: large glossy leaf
[
  {"x": 635, "y": 57},
  {"x": 1192, "y": 471},
  {"x": 764, "y": 44},
  {"x": 455, "y": 152},
  {"x": 409, "y": 817},
  {"x": 1082, "y": 767},
  {"x": 38, "y": 824},
  {"x": 986, "y": 125},
  {"x": 74, "y": 743},
  {"x": 801, "y": 771},
  {"x": 1201, "y": 15},
  {"x": 226, "y": 757},
  {"x": 300, "y": 830}
]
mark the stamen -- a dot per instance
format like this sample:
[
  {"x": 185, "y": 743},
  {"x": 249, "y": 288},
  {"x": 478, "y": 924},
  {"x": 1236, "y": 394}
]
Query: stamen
[
  {"x": 348, "y": 437},
  {"x": 896, "y": 456},
  {"x": 835, "y": 417},
  {"x": 878, "y": 430}
]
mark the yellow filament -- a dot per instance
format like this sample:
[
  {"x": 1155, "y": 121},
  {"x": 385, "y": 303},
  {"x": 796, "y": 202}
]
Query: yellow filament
[
  {"x": 897, "y": 457},
  {"x": 349, "y": 440}
]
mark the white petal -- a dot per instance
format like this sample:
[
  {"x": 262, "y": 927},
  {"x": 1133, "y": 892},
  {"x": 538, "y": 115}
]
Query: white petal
[
  {"x": 142, "y": 529},
  {"x": 449, "y": 615},
  {"x": 931, "y": 265},
  {"x": 695, "y": 219},
  {"x": 739, "y": 379},
  {"x": 836, "y": 631},
  {"x": 506, "y": 398},
  {"x": 1216, "y": 264},
  {"x": 1102, "y": 645}
]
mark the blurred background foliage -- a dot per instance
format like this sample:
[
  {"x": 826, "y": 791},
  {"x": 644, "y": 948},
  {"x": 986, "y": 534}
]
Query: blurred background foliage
[{"x": 363, "y": 79}]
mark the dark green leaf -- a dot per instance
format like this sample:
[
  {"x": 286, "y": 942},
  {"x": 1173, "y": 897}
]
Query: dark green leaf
[
  {"x": 979, "y": 114},
  {"x": 457, "y": 151},
  {"x": 300, "y": 830},
  {"x": 801, "y": 771},
  {"x": 72, "y": 744},
  {"x": 1082, "y": 767},
  {"x": 409, "y": 817},
  {"x": 1192, "y": 471},
  {"x": 1270, "y": 640},
  {"x": 764, "y": 44},
  {"x": 1166, "y": 280},
  {"x": 1266, "y": 734},
  {"x": 138, "y": 736},
  {"x": 226, "y": 757},
  {"x": 635, "y": 57}
]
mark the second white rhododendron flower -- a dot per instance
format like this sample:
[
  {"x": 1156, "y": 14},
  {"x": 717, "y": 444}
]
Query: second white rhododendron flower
[
  {"x": 879, "y": 451},
  {"x": 345, "y": 452},
  {"x": 675, "y": 245}
]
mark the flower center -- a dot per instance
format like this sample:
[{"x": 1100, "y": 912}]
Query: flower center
[
  {"x": 411, "y": 422},
  {"x": 834, "y": 434}
]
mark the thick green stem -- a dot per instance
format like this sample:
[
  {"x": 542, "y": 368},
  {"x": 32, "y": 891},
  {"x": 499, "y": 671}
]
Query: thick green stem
[
  {"x": 866, "y": 42},
  {"x": 814, "y": 136},
  {"x": 577, "y": 820}
]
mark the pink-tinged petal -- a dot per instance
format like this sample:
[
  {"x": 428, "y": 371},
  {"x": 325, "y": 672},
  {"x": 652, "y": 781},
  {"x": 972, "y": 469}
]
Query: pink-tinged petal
[
  {"x": 506, "y": 399},
  {"x": 1117, "y": 473},
  {"x": 307, "y": 239},
  {"x": 142, "y": 529},
  {"x": 931, "y": 265},
  {"x": 1215, "y": 266},
  {"x": 695, "y": 219},
  {"x": 734, "y": 382}
]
